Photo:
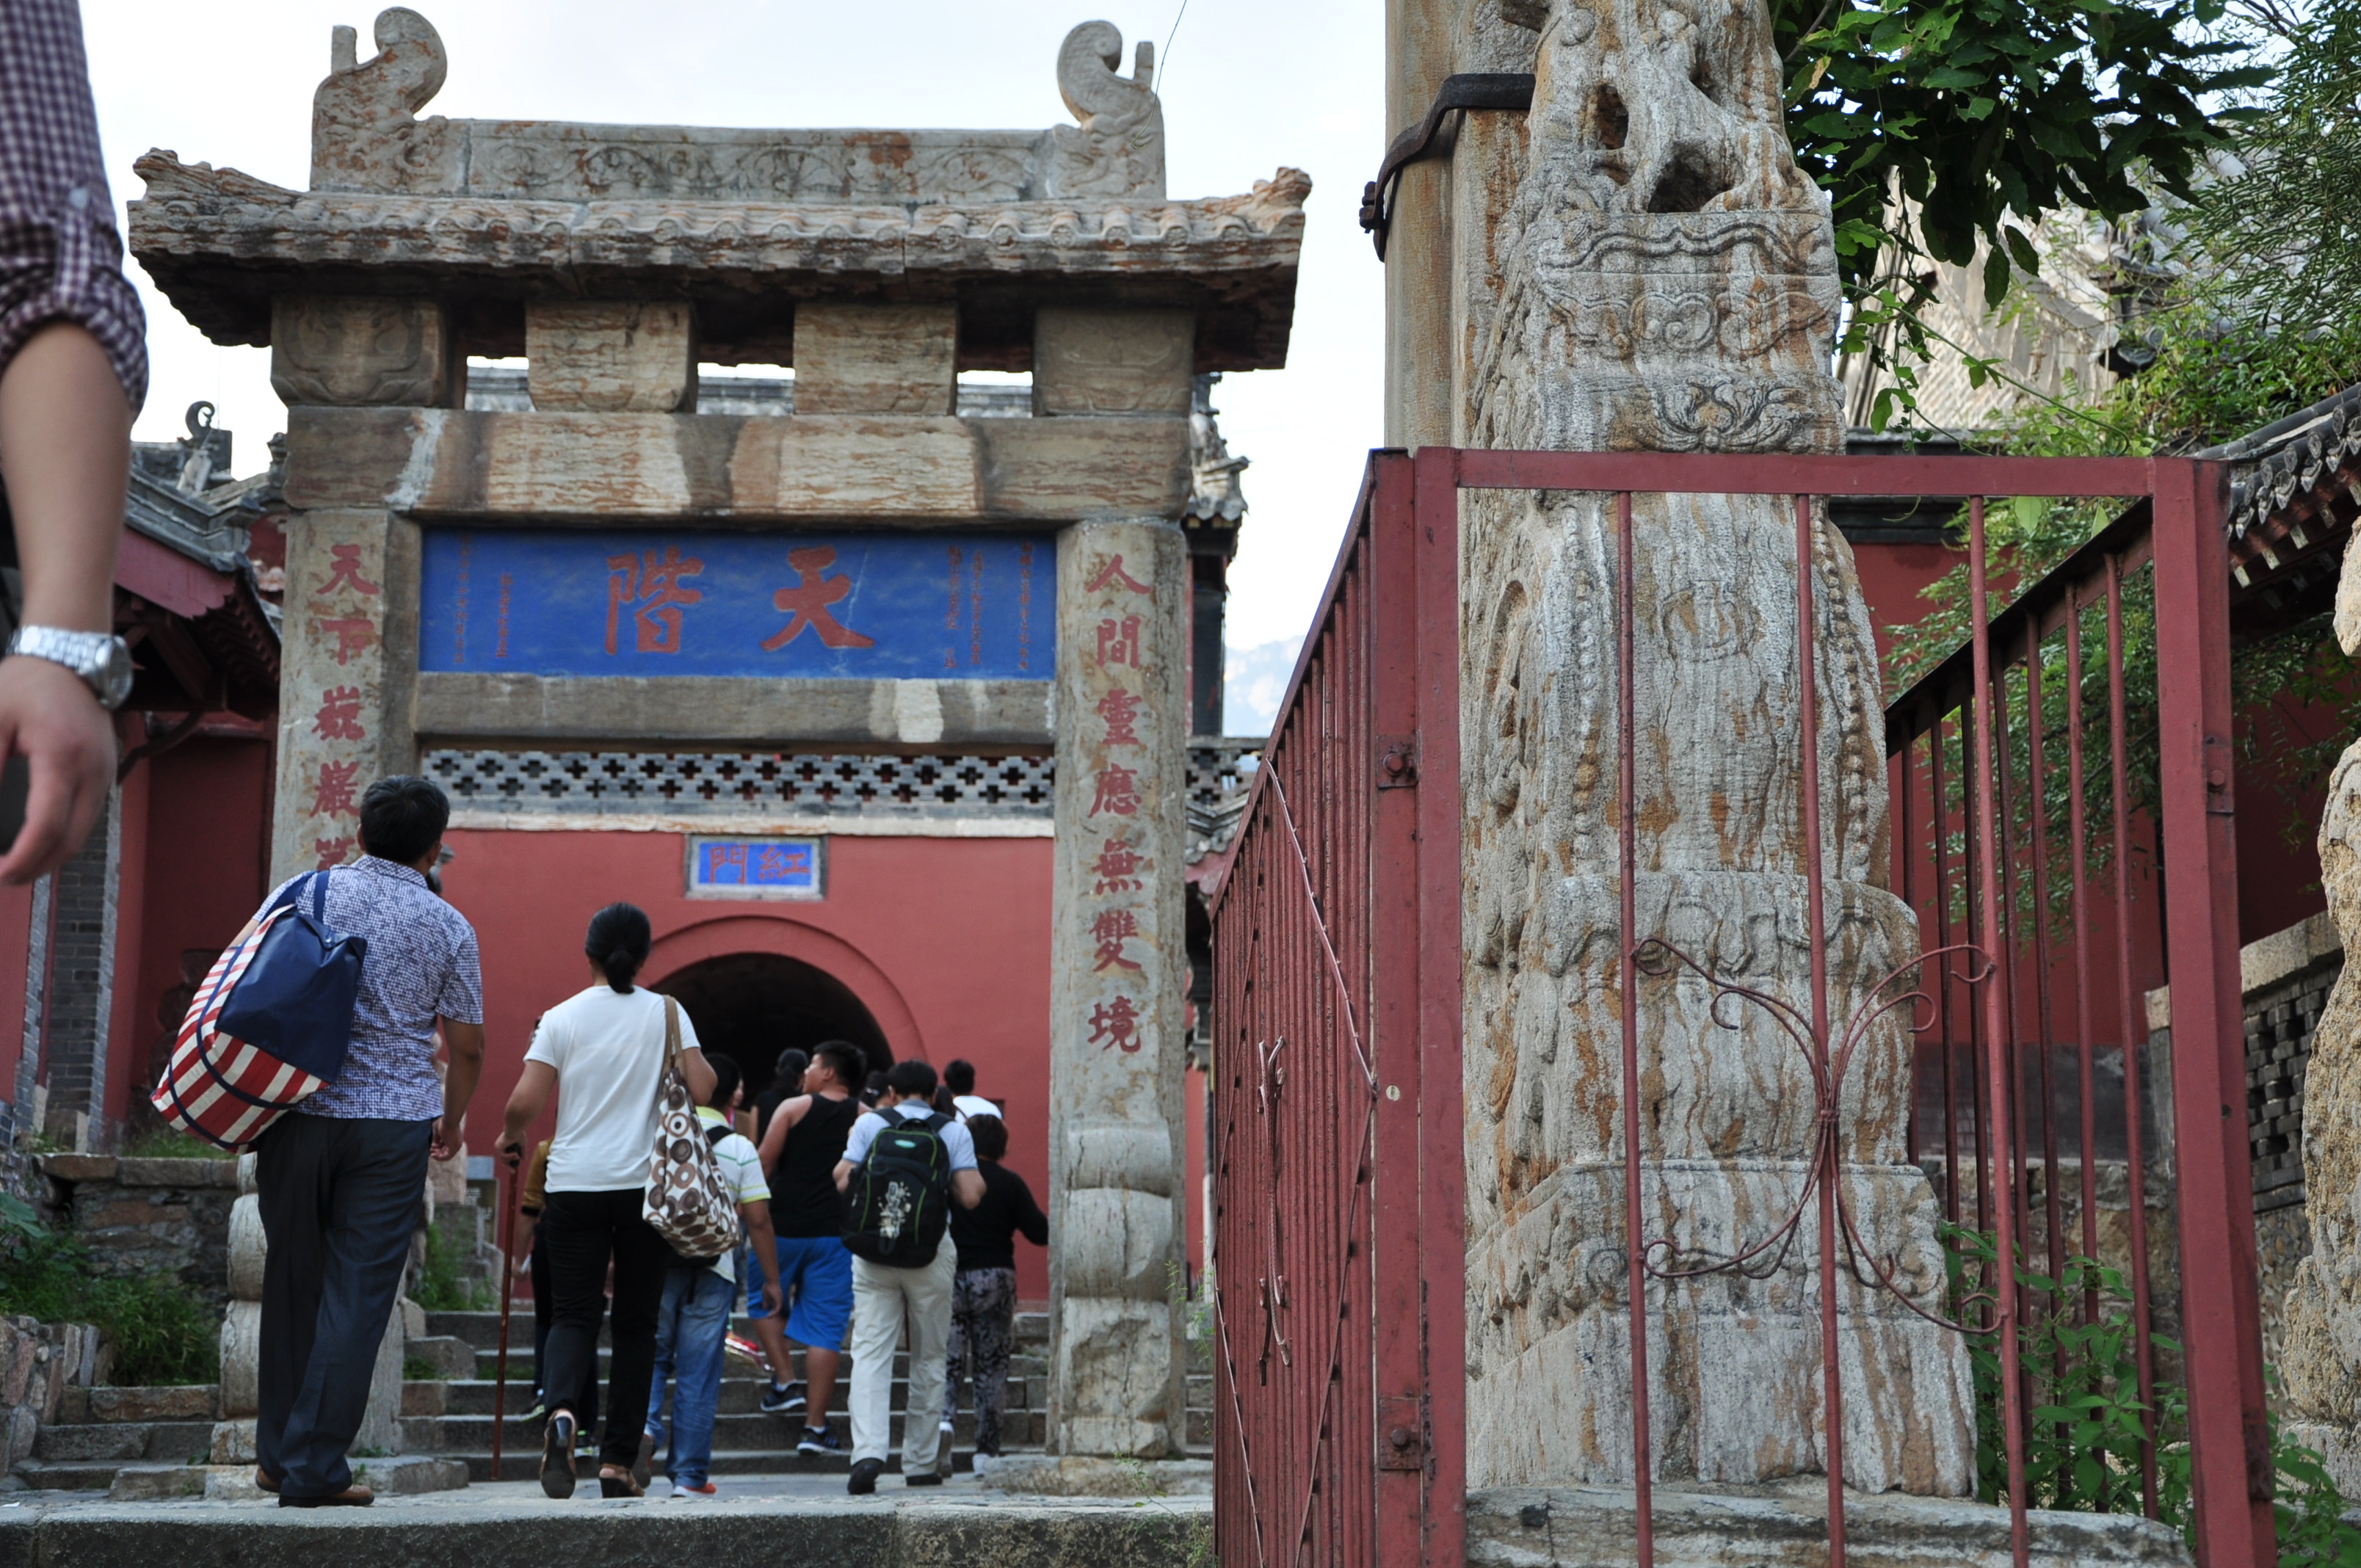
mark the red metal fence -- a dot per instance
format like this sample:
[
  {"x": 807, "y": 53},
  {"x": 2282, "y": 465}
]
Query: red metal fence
[{"x": 2047, "y": 787}]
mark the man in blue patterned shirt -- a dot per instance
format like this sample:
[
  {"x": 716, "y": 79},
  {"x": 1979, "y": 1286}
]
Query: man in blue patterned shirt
[{"x": 342, "y": 1178}]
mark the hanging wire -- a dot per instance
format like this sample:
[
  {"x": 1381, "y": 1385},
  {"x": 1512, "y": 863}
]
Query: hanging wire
[{"x": 1164, "y": 61}]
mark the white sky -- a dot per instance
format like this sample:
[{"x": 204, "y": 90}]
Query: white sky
[{"x": 1247, "y": 85}]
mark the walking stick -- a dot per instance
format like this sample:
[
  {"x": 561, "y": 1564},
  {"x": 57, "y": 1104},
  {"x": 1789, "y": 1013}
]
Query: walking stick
[{"x": 508, "y": 1296}]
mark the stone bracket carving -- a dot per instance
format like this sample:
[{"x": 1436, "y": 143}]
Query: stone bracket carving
[{"x": 1118, "y": 149}]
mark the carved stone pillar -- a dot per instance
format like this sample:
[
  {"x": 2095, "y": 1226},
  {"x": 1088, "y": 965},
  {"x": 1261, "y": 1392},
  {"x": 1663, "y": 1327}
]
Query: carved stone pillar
[
  {"x": 2321, "y": 1362},
  {"x": 349, "y": 659},
  {"x": 1120, "y": 973},
  {"x": 876, "y": 359},
  {"x": 1642, "y": 268},
  {"x": 611, "y": 355}
]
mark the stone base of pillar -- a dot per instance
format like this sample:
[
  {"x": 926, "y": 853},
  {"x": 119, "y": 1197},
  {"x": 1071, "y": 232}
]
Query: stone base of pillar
[
  {"x": 1072, "y": 1476},
  {"x": 1734, "y": 1366},
  {"x": 1786, "y": 1527}
]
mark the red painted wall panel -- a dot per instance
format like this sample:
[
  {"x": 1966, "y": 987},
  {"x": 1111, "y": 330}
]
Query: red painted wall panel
[{"x": 945, "y": 940}]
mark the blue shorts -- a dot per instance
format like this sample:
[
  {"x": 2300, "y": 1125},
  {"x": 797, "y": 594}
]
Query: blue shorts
[{"x": 816, "y": 1275}]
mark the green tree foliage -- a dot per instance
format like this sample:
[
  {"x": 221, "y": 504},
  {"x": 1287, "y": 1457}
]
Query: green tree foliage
[{"x": 1979, "y": 116}]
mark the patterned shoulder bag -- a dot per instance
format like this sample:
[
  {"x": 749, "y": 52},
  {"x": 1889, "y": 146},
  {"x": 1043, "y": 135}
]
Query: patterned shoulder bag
[{"x": 689, "y": 1201}]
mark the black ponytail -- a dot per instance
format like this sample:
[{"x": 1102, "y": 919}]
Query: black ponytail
[{"x": 618, "y": 942}]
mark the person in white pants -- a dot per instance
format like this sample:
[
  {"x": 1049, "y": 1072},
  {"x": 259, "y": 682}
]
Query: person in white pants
[{"x": 883, "y": 1297}]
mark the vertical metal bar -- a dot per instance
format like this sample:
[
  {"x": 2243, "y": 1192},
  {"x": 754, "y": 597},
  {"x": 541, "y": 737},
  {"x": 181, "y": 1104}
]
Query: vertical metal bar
[
  {"x": 2133, "y": 1019},
  {"x": 2037, "y": 794},
  {"x": 1442, "y": 1131},
  {"x": 2078, "y": 834},
  {"x": 1394, "y": 978},
  {"x": 1990, "y": 1150},
  {"x": 1905, "y": 856},
  {"x": 2002, "y": 825},
  {"x": 1941, "y": 814},
  {"x": 1997, "y": 1059},
  {"x": 1636, "y": 1274},
  {"x": 1826, "y": 1155},
  {"x": 2231, "y": 1480}
]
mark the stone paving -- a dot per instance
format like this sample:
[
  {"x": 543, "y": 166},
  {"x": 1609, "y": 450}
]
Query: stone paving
[{"x": 807, "y": 1519}]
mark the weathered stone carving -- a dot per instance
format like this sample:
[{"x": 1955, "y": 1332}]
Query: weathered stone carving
[
  {"x": 876, "y": 359},
  {"x": 204, "y": 232},
  {"x": 1665, "y": 281},
  {"x": 2321, "y": 1362},
  {"x": 362, "y": 349},
  {"x": 1118, "y": 149},
  {"x": 611, "y": 355},
  {"x": 1089, "y": 361},
  {"x": 365, "y": 135},
  {"x": 1119, "y": 964}
]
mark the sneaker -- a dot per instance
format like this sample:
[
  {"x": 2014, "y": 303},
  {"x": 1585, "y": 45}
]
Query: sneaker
[
  {"x": 682, "y": 1489},
  {"x": 586, "y": 1447},
  {"x": 820, "y": 1440},
  {"x": 864, "y": 1477},
  {"x": 983, "y": 1463},
  {"x": 923, "y": 1478},
  {"x": 945, "y": 1427},
  {"x": 779, "y": 1399}
]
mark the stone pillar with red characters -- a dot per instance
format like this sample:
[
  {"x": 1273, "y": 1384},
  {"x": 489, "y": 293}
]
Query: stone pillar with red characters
[{"x": 1120, "y": 967}]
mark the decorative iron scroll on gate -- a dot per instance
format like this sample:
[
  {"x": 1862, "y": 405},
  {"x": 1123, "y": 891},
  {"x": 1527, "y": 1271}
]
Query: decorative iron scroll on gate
[{"x": 2035, "y": 874}]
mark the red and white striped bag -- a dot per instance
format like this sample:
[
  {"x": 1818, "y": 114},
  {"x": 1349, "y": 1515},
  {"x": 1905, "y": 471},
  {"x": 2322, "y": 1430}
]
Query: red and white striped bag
[{"x": 268, "y": 1027}]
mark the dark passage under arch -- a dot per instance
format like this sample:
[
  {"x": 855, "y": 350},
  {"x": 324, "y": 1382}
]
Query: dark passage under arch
[{"x": 751, "y": 1006}]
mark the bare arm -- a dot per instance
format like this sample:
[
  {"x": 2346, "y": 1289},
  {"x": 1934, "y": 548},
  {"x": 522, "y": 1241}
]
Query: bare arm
[
  {"x": 766, "y": 1252},
  {"x": 65, "y": 443},
  {"x": 526, "y": 1102},
  {"x": 466, "y": 1044},
  {"x": 967, "y": 1186},
  {"x": 699, "y": 1074}
]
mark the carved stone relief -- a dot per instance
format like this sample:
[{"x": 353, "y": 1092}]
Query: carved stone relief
[
  {"x": 365, "y": 135},
  {"x": 1112, "y": 361},
  {"x": 361, "y": 349}
]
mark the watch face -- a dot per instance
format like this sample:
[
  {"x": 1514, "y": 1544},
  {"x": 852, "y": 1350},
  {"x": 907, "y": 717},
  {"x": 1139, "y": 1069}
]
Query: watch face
[{"x": 115, "y": 673}]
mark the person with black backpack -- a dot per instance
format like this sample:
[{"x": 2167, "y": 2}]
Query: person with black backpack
[{"x": 905, "y": 1165}]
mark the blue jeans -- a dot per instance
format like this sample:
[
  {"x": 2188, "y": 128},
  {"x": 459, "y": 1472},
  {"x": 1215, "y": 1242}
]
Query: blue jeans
[{"x": 690, "y": 1328}]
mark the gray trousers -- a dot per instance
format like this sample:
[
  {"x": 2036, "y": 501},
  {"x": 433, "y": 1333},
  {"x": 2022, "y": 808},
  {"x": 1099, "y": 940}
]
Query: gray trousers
[{"x": 339, "y": 1199}]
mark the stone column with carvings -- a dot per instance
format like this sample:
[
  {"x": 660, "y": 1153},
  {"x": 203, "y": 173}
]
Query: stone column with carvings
[
  {"x": 1119, "y": 954},
  {"x": 1640, "y": 265},
  {"x": 350, "y": 648},
  {"x": 2321, "y": 1364},
  {"x": 1120, "y": 971}
]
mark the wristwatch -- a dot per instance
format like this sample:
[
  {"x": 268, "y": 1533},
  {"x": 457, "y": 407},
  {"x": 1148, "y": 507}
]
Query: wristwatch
[{"x": 101, "y": 660}]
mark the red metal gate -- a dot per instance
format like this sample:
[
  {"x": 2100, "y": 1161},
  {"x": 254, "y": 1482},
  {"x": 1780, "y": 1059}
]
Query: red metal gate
[
  {"x": 1338, "y": 1242},
  {"x": 1339, "y": 1382}
]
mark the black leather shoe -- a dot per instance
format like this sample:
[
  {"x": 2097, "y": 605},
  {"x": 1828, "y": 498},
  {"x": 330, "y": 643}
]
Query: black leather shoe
[
  {"x": 864, "y": 1477},
  {"x": 350, "y": 1497},
  {"x": 923, "y": 1478},
  {"x": 557, "y": 1455}
]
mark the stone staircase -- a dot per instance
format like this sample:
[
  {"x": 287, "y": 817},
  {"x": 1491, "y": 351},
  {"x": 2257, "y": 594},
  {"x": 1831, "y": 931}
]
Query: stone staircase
[
  {"x": 453, "y": 1419},
  {"x": 101, "y": 1433}
]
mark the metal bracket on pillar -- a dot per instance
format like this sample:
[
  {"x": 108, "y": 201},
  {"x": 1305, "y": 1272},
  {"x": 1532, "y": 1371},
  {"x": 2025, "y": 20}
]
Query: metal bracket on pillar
[{"x": 1512, "y": 91}]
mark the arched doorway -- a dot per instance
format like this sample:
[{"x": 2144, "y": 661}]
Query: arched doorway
[{"x": 751, "y": 1006}]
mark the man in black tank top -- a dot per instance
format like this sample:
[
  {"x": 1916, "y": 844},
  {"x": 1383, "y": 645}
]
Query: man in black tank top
[{"x": 800, "y": 1149}]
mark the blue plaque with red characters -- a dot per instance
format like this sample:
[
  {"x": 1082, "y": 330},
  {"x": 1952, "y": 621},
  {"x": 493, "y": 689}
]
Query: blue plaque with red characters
[{"x": 848, "y": 606}]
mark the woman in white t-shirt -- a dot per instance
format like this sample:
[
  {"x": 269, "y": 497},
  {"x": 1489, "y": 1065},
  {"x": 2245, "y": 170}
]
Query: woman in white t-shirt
[{"x": 602, "y": 1050}]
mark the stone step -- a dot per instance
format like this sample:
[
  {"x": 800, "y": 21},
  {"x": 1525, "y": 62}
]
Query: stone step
[
  {"x": 740, "y": 1433},
  {"x": 482, "y": 1330},
  {"x": 67, "y": 1475},
  {"x": 524, "y": 1465},
  {"x": 173, "y": 1442},
  {"x": 739, "y": 1396},
  {"x": 487, "y": 1365},
  {"x": 172, "y": 1402}
]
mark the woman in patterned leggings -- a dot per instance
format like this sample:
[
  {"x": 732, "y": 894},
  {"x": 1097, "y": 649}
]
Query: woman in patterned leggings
[{"x": 983, "y": 1292}]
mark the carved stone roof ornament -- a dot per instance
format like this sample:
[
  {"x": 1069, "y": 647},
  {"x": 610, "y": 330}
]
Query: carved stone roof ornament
[{"x": 482, "y": 210}]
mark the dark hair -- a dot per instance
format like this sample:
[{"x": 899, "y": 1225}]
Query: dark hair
[
  {"x": 403, "y": 817},
  {"x": 958, "y": 1076},
  {"x": 912, "y": 1078},
  {"x": 991, "y": 1135},
  {"x": 725, "y": 1079},
  {"x": 844, "y": 1059},
  {"x": 618, "y": 943},
  {"x": 788, "y": 1074},
  {"x": 873, "y": 1090}
]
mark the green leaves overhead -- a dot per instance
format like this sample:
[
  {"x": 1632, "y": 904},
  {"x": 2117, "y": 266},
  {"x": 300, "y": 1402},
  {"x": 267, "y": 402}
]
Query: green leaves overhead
[{"x": 1978, "y": 111}]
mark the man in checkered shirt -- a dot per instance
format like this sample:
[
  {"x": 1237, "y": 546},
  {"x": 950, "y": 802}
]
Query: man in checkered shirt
[
  {"x": 342, "y": 1178},
  {"x": 73, "y": 370}
]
